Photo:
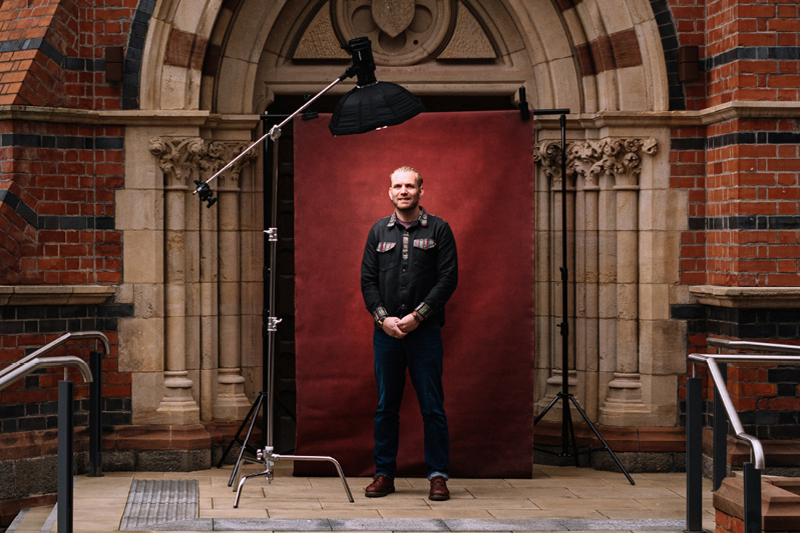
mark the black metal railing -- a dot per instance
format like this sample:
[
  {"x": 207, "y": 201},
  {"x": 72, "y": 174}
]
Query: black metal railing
[
  {"x": 40, "y": 359},
  {"x": 724, "y": 412}
]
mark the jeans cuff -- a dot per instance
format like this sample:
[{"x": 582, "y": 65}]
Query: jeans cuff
[
  {"x": 384, "y": 474},
  {"x": 434, "y": 474}
]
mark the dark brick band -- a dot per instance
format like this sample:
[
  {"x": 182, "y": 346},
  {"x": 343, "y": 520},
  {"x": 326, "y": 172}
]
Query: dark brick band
[
  {"x": 63, "y": 142},
  {"x": 22, "y": 209},
  {"x": 744, "y": 324},
  {"x": 54, "y": 222},
  {"x": 747, "y": 222},
  {"x": 788, "y": 53},
  {"x": 735, "y": 138}
]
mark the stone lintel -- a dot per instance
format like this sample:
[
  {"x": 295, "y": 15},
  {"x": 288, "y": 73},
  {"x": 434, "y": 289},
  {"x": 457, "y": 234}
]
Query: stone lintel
[
  {"x": 780, "y": 502},
  {"x": 55, "y": 294},
  {"x": 747, "y": 297}
]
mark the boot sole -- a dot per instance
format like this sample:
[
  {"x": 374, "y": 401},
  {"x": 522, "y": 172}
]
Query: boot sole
[
  {"x": 379, "y": 494},
  {"x": 438, "y": 498}
]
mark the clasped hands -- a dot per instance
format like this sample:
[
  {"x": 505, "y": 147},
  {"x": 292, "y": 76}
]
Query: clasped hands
[{"x": 399, "y": 327}]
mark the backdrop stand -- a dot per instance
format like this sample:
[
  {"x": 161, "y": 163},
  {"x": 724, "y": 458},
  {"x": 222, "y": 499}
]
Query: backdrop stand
[{"x": 569, "y": 445}]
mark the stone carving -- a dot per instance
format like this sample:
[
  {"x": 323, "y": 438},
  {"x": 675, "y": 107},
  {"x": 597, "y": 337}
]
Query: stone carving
[
  {"x": 393, "y": 16},
  {"x": 218, "y": 154},
  {"x": 178, "y": 158},
  {"x": 618, "y": 158},
  {"x": 403, "y": 32}
]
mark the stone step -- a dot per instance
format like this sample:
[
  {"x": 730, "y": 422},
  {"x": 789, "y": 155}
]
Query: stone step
[{"x": 34, "y": 520}]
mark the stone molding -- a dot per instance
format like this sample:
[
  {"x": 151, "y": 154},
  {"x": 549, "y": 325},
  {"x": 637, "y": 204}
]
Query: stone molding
[
  {"x": 179, "y": 158},
  {"x": 55, "y": 294},
  {"x": 747, "y": 297},
  {"x": 620, "y": 158},
  {"x": 602, "y": 119}
]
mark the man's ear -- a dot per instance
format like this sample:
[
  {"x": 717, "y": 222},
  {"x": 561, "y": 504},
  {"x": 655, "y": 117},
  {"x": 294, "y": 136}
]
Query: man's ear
[{"x": 421, "y": 191}]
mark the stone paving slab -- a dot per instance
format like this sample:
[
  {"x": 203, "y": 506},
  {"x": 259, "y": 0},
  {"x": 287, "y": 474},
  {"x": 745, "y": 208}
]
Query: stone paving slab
[{"x": 414, "y": 525}]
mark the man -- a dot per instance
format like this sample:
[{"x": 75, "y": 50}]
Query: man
[{"x": 408, "y": 273}]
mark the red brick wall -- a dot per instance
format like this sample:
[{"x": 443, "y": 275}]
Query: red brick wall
[
  {"x": 57, "y": 50},
  {"x": 741, "y": 174},
  {"x": 66, "y": 176}
]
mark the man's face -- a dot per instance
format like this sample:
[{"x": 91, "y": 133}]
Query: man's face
[{"x": 404, "y": 192}]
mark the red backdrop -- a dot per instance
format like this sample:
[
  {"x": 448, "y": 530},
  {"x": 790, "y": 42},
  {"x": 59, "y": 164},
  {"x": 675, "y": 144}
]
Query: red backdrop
[{"x": 478, "y": 171}]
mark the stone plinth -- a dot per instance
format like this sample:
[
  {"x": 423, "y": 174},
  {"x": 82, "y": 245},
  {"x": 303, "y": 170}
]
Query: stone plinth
[{"x": 780, "y": 504}]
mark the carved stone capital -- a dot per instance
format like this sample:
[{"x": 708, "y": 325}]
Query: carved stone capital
[
  {"x": 620, "y": 159},
  {"x": 220, "y": 153},
  {"x": 179, "y": 158},
  {"x": 548, "y": 155}
]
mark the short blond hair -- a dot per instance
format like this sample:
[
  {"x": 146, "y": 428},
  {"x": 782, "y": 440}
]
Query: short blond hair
[{"x": 408, "y": 169}]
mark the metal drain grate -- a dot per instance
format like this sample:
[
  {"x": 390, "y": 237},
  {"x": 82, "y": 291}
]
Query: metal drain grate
[{"x": 156, "y": 501}]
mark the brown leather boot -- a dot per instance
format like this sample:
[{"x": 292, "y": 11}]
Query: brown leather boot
[
  {"x": 380, "y": 486},
  {"x": 439, "y": 490}
]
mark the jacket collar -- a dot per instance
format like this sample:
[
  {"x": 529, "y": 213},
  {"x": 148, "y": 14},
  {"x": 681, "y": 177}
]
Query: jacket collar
[{"x": 423, "y": 218}]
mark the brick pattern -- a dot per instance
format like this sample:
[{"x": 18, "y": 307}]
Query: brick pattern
[
  {"x": 752, "y": 218},
  {"x": 752, "y": 51},
  {"x": 58, "y": 206},
  {"x": 52, "y": 53},
  {"x": 31, "y": 403}
]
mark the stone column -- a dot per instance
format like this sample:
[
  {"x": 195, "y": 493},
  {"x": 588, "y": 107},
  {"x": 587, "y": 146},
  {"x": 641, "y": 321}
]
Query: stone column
[
  {"x": 177, "y": 160},
  {"x": 231, "y": 402},
  {"x": 587, "y": 274},
  {"x": 625, "y": 389},
  {"x": 543, "y": 337}
]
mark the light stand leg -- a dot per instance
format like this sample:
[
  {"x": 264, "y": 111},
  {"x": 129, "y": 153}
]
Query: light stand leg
[{"x": 268, "y": 458}]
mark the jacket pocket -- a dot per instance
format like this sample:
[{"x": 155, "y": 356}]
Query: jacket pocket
[
  {"x": 424, "y": 253},
  {"x": 386, "y": 259}
]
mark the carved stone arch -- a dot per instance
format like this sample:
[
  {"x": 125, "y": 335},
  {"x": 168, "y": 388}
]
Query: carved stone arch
[{"x": 230, "y": 57}]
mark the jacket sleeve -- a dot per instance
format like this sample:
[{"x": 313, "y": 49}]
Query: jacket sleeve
[
  {"x": 446, "y": 274},
  {"x": 369, "y": 277}
]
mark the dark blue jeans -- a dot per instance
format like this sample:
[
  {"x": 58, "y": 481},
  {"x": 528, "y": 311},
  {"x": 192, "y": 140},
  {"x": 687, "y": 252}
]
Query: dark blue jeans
[{"x": 421, "y": 352}]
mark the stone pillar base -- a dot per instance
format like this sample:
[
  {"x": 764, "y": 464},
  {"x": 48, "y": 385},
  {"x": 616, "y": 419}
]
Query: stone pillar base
[
  {"x": 178, "y": 406},
  {"x": 231, "y": 402}
]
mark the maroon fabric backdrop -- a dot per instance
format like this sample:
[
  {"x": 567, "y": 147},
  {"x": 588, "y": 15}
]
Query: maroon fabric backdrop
[{"x": 477, "y": 169}]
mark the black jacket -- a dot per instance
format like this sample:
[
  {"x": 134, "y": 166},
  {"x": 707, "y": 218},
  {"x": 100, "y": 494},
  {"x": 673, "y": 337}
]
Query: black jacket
[{"x": 423, "y": 276}]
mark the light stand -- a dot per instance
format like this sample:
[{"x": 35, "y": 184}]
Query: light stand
[
  {"x": 370, "y": 105},
  {"x": 569, "y": 445}
]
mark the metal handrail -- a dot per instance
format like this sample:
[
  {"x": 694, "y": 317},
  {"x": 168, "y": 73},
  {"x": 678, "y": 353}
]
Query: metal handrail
[
  {"x": 756, "y": 449},
  {"x": 36, "y": 360},
  {"x": 746, "y": 345}
]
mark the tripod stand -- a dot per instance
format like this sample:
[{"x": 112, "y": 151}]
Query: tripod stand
[{"x": 569, "y": 445}]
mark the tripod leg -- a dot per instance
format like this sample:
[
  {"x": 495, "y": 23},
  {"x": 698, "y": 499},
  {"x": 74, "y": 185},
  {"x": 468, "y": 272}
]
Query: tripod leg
[
  {"x": 605, "y": 444},
  {"x": 549, "y": 406},
  {"x": 570, "y": 428},
  {"x": 236, "y": 437},
  {"x": 256, "y": 407}
]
